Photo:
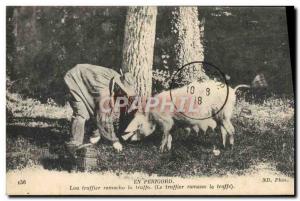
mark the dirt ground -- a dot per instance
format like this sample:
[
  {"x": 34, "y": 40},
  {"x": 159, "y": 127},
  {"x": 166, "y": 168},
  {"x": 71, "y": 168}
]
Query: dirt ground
[{"x": 36, "y": 134}]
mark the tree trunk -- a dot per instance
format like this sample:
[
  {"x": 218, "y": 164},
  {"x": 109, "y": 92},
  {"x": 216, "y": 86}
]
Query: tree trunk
[
  {"x": 11, "y": 14},
  {"x": 189, "y": 47},
  {"x": 138, "y": 47}
]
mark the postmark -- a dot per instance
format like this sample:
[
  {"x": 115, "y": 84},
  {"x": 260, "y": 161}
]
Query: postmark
[{"x": 206, "y": 80}]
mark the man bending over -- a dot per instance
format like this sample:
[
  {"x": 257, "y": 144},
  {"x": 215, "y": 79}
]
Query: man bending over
[{"x": 88, "y": 85}]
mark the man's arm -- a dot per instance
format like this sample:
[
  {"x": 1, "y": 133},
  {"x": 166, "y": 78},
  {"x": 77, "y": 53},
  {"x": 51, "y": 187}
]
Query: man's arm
[{"x": 106, "y": 128}]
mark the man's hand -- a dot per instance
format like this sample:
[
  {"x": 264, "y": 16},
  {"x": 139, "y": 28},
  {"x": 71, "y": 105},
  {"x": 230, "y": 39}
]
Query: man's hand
[{"x": 118, "y": 146}]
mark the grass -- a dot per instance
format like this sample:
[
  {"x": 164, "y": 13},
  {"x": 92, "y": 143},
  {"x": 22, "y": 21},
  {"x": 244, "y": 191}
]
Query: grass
[{"x": 36, "y": 133}]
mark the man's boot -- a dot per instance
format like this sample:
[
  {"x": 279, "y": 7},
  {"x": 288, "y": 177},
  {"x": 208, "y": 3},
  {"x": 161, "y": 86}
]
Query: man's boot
[{"x": 77, "y": 132}]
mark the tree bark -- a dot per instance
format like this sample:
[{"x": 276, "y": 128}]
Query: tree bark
[
  {"x": 189, "y": 47},
  {"x": 138, "y": 47}
]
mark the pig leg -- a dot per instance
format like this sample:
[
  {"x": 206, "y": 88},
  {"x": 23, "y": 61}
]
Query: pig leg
[
  {"x": 196, "y": 129},
  {"x": 169, "y": 143},
  {"x": 230, "y": 129},
  {"x": 166, "y": 141},
  {"x": 167, "y": 124},
  {"x": 224, "y": 135},
  {"x": 187, "y": 130}
]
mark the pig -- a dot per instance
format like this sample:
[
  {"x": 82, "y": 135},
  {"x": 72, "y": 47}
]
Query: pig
[{"x": 215, "y": 108}]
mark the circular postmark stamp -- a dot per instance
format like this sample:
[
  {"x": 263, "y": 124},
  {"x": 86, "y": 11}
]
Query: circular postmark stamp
[{"x": 199, "y": 90}]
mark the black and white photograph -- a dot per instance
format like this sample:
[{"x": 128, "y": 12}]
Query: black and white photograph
[{"x": 150, "y": 100}]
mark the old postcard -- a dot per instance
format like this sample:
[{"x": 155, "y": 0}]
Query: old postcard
[{"x": 150, "y": 100}]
